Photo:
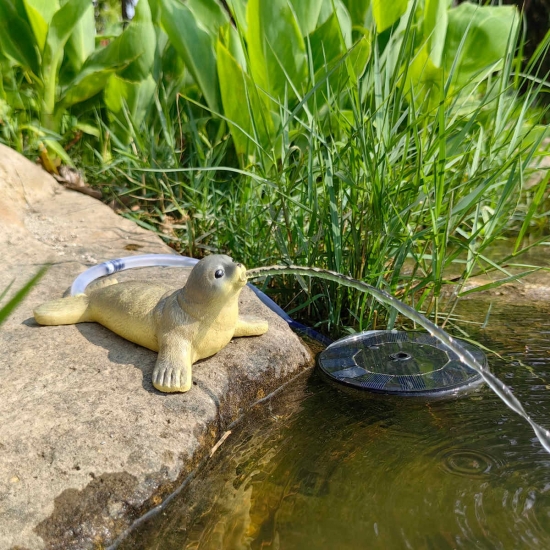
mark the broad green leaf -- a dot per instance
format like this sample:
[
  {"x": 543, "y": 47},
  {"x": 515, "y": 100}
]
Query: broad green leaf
[
  {"x": 344, "y": 20},
  {"x": 307, "y": 13},
  {"x": 135, "y": 98},
  {"x": 88, "y": 129},
  {"x": 120, "y": 93},
  {"x": 46, "y": 8},
  {"x": 19, "y": 6},
  {"x": 326, "y": 43},
  {"x": 156, "y": 9},
  {"x": 233, "y": 89},
  {"x": 141, "y": 98},
  {"x": 487, "y": 31},
  {"x": 242, "y": 104},
  {"x": 173, "y": 68},
  {"x": 424, "y": 81},
  {"x": 386, "y": 13},
  {"x": 276, "y": 48},
  {"x": 14, "y": 100},
  {"x": 61, "y": 27},
  {"x": 340, "y": 119},
  {"x": 95, "y": 73},
  {"x": 209, "y": 14},
  {"x": 111, "y": 56},
  {"x": 238, "y": 11},
  {"x": 81, "y": 43},
  {"x": 358, "y": 11},
  {"x": 140, "y": 39},
  {"x": 327, "y": 9},
  {"x": 331, "y": 7},
  {"x": 195, "y": 46},
  {"x": 327, "y": 47},
  {"x": 435, "y": 28},
  {"x": 358, "y": 57},
  {"x": 40, "y": 13},
  {"x": 89, "y": 82},
  {"x": 131, "y": 53},
  {"x": 17, "y": 40},
  {"x": 231, "y": 39},
  {"x": 161, "y": 41},
  {"x": 53, "y": 145}
]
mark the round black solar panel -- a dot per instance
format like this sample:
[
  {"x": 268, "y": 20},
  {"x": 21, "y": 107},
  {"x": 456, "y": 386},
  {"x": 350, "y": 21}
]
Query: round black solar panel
[{"x": 401, "y": 363}]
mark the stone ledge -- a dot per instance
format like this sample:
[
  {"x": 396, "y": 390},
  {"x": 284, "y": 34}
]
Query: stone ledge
[{"x": 87, "y": 444}]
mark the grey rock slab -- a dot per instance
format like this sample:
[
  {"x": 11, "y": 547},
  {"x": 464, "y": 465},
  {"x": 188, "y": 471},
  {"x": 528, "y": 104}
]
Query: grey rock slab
[{"x": 87, "y": 445}]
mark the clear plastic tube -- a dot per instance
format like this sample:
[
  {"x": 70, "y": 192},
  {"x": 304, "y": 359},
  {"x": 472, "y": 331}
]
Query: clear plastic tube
[
  {"x": 172, "y": 260},
  {"x": 130, "y": 262}
]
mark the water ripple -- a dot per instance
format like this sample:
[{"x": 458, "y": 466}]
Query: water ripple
[
  {"x": 330, "y": 470},
  {"x": 469, "y": 463}
]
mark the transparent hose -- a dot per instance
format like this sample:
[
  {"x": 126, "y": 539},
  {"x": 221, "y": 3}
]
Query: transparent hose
[{"x": 172, "y": 260}]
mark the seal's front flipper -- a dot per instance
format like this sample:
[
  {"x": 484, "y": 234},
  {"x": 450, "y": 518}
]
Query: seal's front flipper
[
  {"x": 173, "y": 371},
  {"x": 250, "y": 326}
]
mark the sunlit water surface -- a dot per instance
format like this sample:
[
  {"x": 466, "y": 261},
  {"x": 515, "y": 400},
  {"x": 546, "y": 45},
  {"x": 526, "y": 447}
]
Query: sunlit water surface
[{"x": 319, "y": 467}]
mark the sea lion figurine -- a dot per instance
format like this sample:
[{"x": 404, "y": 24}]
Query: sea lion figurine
[{"x": 183, "y": 325}]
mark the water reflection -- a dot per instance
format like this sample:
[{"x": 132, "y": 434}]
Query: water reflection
[{"x": 322, "y": 468}]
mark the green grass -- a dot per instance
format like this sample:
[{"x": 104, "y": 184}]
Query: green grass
[
  {"x": 374, "y": 186},
  {"x": 391, "y": 178}
]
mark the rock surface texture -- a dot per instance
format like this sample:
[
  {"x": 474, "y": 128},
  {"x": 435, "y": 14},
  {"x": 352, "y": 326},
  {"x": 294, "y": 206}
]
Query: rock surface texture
[{"x": 87, "y": 445}]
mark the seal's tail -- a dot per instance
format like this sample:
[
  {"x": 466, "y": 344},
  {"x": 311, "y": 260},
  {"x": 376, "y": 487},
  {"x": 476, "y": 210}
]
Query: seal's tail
[{"x": 65, "y": 311}]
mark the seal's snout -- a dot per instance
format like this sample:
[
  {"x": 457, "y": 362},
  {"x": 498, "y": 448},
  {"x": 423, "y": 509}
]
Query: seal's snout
[{"x": 242, "y": 273}]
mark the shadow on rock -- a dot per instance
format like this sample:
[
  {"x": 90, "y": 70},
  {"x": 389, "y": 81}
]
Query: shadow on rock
[{"x": 121, "y": 351}]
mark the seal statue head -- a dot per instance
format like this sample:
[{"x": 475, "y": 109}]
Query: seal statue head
[{"x": 216, "y": 278}]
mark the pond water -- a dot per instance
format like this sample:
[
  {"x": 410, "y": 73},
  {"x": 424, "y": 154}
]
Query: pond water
[{"x": 320, "y": 467}]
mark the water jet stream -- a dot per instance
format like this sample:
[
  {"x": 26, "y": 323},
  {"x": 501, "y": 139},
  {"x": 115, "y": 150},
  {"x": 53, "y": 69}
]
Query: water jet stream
[{"x": 499, "y": 387}]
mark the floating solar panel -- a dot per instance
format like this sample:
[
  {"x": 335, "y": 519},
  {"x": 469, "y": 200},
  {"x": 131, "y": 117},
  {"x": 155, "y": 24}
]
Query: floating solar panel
[{"x": 400, "y": 363}]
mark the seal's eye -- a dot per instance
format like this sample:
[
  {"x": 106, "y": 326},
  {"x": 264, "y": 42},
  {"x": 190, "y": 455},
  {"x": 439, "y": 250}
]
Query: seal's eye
[{"x": 219, "y": 273}]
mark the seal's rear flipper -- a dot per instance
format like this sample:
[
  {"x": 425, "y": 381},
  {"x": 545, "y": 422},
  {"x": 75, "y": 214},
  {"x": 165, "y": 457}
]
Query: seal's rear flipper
[{"x": 65, "y": 311}]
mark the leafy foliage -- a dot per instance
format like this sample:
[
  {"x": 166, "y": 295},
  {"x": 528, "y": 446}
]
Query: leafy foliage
[
  {"x": 51, "y": 66},
  {"x": 385, "y": 140}
]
